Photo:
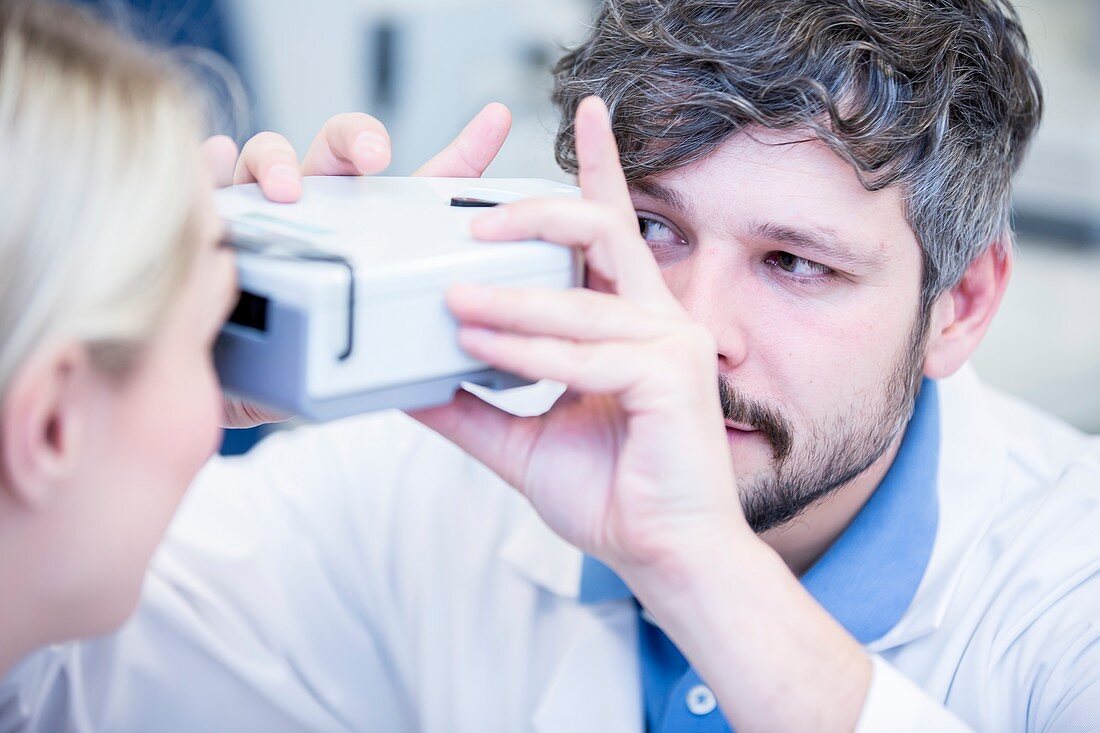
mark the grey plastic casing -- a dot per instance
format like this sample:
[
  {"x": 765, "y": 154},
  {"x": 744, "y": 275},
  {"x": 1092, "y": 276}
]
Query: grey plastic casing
[{"x": 349, "y": 286}]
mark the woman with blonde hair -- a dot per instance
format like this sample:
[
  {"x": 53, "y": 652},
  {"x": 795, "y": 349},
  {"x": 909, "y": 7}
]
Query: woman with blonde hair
[
  {"x": 113, "y": 287},
  {"x": 112, "y": 290}
]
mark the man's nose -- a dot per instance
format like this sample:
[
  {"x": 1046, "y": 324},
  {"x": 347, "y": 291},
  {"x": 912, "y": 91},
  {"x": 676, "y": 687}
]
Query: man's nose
[{"x": 708, "y": 289}]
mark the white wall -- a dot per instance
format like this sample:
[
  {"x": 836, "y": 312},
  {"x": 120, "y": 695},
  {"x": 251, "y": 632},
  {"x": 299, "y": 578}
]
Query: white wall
[
  {"x": 307, "y": 61},
  {"x": 1062, "y": 174}
]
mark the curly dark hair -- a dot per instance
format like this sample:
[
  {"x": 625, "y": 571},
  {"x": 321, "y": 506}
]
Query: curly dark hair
[{"x": 937, "y": 96}]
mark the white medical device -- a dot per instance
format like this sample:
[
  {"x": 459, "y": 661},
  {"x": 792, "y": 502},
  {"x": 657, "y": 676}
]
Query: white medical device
[{"x": 342, "y": 294}]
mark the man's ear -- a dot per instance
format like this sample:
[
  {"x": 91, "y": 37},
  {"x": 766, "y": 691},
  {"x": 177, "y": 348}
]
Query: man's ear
[
  {"x": 43, "y": 413},
  {"x": 961, "y": 315}
]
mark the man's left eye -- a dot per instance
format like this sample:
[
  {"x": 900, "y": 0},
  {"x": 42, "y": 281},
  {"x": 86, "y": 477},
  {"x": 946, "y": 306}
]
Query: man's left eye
[{"x": 797, "y": 266}]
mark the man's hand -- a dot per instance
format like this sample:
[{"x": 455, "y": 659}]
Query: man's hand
[
  {"x": 632, "y": 465},
  {"x": 348, "y": 145}
]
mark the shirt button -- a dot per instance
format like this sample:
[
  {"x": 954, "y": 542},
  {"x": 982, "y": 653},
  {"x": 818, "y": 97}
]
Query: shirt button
[{"x": 701, "y": 701}]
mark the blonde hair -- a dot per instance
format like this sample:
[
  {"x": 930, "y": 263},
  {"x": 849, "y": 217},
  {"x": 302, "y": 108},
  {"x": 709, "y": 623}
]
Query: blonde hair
[{"x": 98, "y": 143}]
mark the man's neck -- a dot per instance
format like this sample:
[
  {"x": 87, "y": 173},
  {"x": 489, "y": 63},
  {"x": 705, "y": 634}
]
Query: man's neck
[{"x": 802, "y": 541}]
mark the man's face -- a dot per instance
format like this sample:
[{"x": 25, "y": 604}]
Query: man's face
[{"x": 810, "y": 285}]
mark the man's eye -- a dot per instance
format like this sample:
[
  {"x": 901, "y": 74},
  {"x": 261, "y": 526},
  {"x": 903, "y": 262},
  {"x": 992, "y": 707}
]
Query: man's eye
[
  {"x": 657, "y": 234},
  {"x": 798, "y": 266}
]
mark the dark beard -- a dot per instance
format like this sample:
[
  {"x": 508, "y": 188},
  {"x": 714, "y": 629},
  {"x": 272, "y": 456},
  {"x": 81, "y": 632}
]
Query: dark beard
[{"x": 832, "y": 454}]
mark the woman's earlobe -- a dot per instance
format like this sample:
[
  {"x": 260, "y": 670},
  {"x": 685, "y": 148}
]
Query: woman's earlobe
[{"x": 42, "y": 416}]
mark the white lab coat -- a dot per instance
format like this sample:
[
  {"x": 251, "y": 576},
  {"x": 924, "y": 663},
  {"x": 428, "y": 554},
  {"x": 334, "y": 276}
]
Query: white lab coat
[{"x": 368, "y": 576}]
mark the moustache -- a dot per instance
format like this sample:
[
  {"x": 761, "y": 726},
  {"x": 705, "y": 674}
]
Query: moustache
[{"x": 737, "y": 407}]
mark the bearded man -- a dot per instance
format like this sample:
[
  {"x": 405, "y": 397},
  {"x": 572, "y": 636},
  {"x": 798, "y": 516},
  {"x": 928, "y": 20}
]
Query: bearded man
[{"x": 805, "y": 202}]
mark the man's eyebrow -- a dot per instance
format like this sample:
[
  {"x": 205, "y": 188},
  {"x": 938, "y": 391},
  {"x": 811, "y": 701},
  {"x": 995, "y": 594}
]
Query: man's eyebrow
[
  {"x": 665, "y": 195},
  {"x": 828, "y": 244}
]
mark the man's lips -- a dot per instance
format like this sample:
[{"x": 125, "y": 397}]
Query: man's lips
[{"x": 742, "y": 427}]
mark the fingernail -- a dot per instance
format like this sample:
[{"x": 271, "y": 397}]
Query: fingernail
[
  {"x": 283, "y": 174},
  {"x": 371, "y": 145}
]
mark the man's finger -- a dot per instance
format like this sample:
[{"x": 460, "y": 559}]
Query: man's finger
[
  {"x": 600, "y": 172},
  {"x": 586, "y": 367},
  {"x": 577, "y": 314},
  {"x": 612, "y": 247},
  {"x": 220, "y": 153},
  {"x": 474, "y": 149},
  {"x": 269, "y": 159},
  {"x": 349, "y": 144}
]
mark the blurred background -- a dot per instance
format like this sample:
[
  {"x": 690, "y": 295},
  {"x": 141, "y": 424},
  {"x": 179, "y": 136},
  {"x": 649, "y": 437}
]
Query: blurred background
[{"x": 425, "y": 67}]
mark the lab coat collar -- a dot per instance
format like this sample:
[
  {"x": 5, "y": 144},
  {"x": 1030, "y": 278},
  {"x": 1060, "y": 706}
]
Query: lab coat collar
[
  {"x": 970, "y": 486},
  {"x": 586, "y": 691},
  {"x": 543, "y": 557},
  {"x": 22, "y": 688}
]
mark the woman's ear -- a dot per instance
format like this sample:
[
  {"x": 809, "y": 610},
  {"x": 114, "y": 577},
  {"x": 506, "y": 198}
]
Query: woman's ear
[
  {"x": 43, "y": 414},
  {"x": 961, "y": 315}
]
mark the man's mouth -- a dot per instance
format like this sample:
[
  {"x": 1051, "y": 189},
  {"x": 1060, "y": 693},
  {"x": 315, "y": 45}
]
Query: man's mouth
[{"x": 742, "y": 436}]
